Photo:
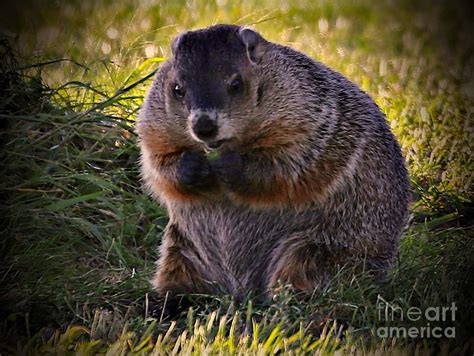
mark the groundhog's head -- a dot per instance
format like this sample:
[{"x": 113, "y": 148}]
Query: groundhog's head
[{"x": 212, "y": 84}]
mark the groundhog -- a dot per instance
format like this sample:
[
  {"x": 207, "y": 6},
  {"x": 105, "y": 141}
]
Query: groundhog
[{"x": 274, "y": 169}]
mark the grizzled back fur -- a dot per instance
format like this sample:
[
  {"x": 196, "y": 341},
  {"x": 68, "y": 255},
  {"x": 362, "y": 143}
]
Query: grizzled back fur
[{"x": 307, "y": 177}]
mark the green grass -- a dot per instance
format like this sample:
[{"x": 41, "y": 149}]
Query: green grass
[{"x": 81, "y": 236}]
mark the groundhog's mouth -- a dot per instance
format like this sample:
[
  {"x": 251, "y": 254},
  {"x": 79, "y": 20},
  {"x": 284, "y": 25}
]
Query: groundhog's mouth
[{"x": 215, "y": 145}]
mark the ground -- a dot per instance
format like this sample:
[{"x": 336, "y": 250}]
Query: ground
[{"x": 81, "y": 235}]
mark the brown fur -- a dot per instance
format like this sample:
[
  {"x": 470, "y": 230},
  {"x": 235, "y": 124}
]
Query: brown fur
[
  {"x": 309, "y": 177},
  {"x": 176, "y": 272}
]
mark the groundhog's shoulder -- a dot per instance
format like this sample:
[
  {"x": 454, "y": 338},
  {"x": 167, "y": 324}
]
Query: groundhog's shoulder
[{"x": 320, "y": 78}]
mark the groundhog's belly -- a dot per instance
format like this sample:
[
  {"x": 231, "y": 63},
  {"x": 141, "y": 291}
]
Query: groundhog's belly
[{"x": 233, "y": 246}]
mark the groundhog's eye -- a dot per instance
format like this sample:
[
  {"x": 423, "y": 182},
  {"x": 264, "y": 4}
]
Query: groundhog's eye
[
  {"x": 235, "y": 85},
  {"x": 179, "y": 91}
]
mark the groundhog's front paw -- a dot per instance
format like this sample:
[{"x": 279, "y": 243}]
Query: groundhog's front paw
[
  {"x": 194, "y": 170},
  {"x": 229, "y": 168}
]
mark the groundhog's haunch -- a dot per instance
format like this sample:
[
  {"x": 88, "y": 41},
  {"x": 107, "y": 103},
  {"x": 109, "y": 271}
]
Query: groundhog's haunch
[{"x": 308, "y": 176}]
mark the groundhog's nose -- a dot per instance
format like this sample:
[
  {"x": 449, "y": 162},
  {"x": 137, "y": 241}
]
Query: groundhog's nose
[{"x": 204, "y": 127}]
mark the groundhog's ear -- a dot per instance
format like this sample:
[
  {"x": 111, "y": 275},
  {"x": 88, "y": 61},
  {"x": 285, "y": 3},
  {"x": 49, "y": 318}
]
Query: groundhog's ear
[
  {"x": 253, "y": 42},
  {"x": 175, "y": 44}
]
